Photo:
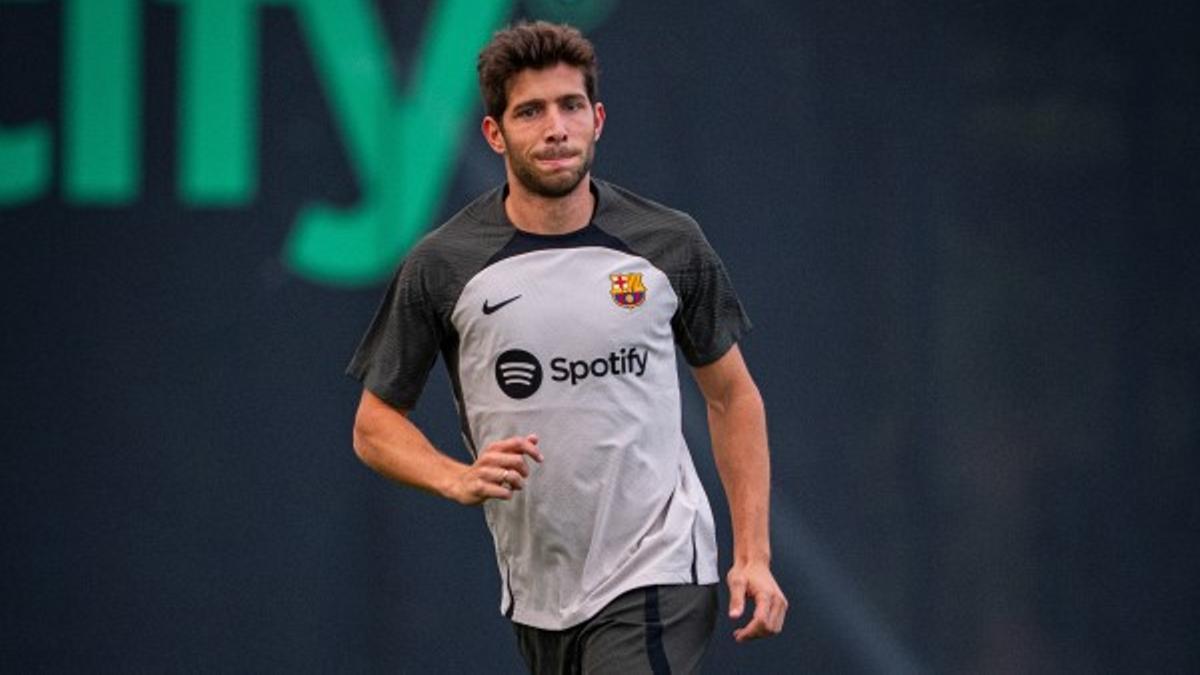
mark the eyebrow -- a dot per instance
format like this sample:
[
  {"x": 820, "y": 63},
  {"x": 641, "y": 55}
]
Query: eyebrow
[{"x": 541, "y": 101}]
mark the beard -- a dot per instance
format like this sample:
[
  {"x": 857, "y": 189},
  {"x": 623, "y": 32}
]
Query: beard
[{"x": 553, "y": 185}]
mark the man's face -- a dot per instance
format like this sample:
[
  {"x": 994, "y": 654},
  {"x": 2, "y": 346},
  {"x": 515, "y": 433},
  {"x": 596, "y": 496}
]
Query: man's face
[{"x": 549, "y": 130}]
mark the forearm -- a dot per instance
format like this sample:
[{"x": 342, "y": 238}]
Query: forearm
[
  {"x": 388, "y": 442},
  {"x": 738, "y": 427}
]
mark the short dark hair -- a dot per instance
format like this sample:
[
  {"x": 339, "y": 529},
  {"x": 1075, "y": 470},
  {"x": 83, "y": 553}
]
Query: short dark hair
[{"x": 532, "y": 45}]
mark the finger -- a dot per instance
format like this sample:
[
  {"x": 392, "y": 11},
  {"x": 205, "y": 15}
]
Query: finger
[
  {"x": 514, "y": 463},
  {"x": 499, "y": 459},
  {"x": 778, "y": 614},
  {"x": 508, "y": 478},
  {"x": 529, "y": 446},
  {"x": 525, "y": 445},
  {"x": 748, "y": 632},
  {"x": 496, "y": 475},
  {"x": 514, "y": 480},
  {"x": 740, "y": 632},
  {"x": 737, "y": 597},
  {"x": 494, "y": 491},
  {"x": 495, "y": 464},
  {"x": 775, "y": 626},
  {"x": 759, "y": 625},
  {"x": 763, "y": 603},
  {"x": 518, "y": 445},
  {"x": 757, "y": 628}
]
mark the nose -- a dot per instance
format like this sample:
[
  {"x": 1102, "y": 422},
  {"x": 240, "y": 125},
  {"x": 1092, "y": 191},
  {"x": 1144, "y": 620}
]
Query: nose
[{"x": 556, "y": 126}]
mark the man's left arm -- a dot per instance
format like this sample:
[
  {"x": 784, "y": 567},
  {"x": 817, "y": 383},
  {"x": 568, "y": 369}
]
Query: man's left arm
[{"x": 737, "y": 424}]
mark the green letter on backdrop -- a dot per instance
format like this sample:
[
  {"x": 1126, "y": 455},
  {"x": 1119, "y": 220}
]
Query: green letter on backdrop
[
  {"x": 403, "y": 146},
  {"x": 24, "y": 163},
  {"x": 102, "y": 93},
  {"x": 218, "y": 101}
]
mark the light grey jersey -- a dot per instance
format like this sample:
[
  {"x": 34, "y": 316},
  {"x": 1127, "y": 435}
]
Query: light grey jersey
[{"x": 573, "y": 338}]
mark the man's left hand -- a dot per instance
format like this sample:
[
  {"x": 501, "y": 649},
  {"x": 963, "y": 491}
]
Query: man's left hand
[{"x": 755, "y": 581}]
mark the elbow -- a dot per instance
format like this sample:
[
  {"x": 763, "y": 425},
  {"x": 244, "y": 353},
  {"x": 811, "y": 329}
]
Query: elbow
[
  {"x": 377, "y": 428},
  {"x": 743, "y": 397},
  {"x": 754, "y": 398},
  {"x": 361, "y": 440},
  {"x": 751, "y": 402}
]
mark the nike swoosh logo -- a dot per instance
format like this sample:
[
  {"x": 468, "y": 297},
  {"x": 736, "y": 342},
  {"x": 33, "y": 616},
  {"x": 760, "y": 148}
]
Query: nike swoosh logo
[{"x": 488, "y": 309}]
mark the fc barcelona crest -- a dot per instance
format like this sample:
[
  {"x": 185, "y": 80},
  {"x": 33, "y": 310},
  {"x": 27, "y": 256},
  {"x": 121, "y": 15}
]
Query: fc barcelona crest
[{"x": 627, "y": 290}]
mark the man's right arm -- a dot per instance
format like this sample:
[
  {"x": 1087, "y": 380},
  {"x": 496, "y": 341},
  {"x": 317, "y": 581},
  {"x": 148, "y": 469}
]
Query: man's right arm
[{"x": 388, "y": 442}]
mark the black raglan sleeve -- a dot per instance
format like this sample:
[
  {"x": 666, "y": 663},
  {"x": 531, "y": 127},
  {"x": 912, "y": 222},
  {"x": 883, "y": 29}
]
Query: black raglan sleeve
[
  {"x": 401, "y": 345},
  {"x": 710, "y": 318}
]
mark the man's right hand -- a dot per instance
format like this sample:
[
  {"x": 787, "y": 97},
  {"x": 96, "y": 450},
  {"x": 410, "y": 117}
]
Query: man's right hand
[{"x": 498, "y": 471}]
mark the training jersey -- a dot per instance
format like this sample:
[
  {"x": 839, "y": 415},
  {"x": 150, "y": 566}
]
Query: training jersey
[{"x": 572, "y": 337}]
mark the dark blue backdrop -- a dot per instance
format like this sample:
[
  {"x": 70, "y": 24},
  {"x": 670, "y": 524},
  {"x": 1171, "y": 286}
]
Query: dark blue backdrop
[{"x": 966, "y": 233}]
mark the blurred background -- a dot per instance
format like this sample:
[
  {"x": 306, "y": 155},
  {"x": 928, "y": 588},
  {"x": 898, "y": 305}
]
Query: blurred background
[{"x": 966, "y": 233}]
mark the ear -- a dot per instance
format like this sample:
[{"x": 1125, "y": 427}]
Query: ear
[
  {"x": 493, "y": 134},
  {"x": 598, "y": 114}
]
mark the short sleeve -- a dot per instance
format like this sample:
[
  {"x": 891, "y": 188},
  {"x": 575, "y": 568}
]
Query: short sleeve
[
  {"x": 710, "y": 318},
  {"x": 401, "y": 345}
]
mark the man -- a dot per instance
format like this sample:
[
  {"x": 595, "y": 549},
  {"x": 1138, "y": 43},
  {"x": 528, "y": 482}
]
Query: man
[{"x": 557, "y": 302}]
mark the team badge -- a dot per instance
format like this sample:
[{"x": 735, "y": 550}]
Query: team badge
[{"x": 627, "y": 290}]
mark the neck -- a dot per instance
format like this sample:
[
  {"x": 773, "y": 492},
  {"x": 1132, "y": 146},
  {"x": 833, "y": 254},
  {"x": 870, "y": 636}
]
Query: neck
[{"x": 550, "y": 215}]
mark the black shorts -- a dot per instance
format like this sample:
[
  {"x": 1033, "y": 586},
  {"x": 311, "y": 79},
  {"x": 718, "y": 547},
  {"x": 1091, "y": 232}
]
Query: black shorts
[{"x": 654, "y": 630}]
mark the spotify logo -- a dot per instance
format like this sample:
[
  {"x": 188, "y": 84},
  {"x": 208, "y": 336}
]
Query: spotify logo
[{"x": 518, "y": 373}]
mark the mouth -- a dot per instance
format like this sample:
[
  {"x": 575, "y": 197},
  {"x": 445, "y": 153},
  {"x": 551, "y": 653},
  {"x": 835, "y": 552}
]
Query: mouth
[
  {"x": 556, "y": 157},
  {"x": 556, "y": 165}
]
